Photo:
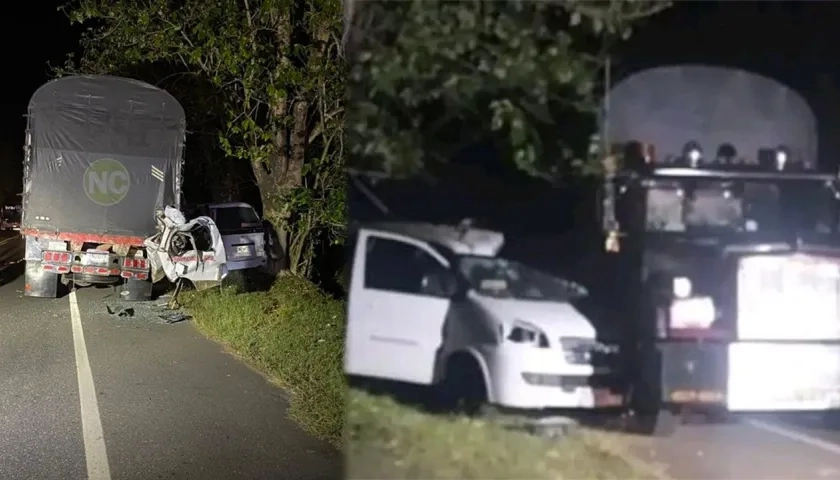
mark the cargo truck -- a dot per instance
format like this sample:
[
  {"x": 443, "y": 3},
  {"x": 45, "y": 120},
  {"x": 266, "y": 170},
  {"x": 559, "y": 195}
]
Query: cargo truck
[
  {"x": 726, "y": 238},
  {"x": 103, "y": 162}
]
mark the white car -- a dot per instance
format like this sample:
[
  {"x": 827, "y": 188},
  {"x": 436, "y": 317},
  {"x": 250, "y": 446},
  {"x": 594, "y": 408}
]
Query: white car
[
  {"x": 242, "y": 233},
  {"x": 434, "y": 305}
]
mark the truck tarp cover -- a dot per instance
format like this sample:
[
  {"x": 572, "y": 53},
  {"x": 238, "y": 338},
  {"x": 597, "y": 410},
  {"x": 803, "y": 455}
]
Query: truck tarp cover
[
  {"x": 670, "y": 106},
  {"x": 106, "y": 151}
]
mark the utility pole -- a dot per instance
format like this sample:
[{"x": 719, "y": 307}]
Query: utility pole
[{"x": 610, "y": 165}]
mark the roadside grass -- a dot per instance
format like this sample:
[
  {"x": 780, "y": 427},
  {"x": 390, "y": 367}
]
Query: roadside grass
[
  {"x": 294, "y": 333},
  {"x": 387, "y": 440}
]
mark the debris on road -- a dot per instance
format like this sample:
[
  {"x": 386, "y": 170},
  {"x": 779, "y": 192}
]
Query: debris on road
[
  {"x": 145, "y": 311},
  {"x": 556, "y": 427},
  {"x": 120, "y": 311},
  {"x": 174, "y": 317}
]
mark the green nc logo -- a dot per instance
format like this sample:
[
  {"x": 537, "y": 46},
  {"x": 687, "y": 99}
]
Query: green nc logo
[{"x": 106, "y": 182}]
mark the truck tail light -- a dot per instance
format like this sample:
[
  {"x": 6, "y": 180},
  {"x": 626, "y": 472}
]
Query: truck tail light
[
  {"x": 135, "y": 263},
  {"x": 57, "y": 257},
  {"x": 135, "y": 275},
  {"x": 693, "y": 318},
  {"x": 697, "y": 312}
]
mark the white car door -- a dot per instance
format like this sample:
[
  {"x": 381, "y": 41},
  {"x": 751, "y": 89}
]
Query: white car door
[{"x": 395, "y": 321}]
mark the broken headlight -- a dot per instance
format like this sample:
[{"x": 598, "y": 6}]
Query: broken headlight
[{"x": 525, "y": 333}]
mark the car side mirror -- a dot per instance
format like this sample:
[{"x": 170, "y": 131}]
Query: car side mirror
[{"x": 577, "y": 290}]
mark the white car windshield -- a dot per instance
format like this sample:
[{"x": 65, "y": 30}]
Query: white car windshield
[{"x": 502, "y": 278}]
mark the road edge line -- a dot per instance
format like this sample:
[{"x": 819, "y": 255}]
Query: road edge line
[
  {"x": 96, "y": 455},
  {"x": 794, "y": 435}
]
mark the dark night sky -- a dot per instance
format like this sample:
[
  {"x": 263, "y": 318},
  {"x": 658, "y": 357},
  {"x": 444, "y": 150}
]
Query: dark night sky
[
  {"x": 36, "y": 34},
  {"x": 789, "y": 40}
]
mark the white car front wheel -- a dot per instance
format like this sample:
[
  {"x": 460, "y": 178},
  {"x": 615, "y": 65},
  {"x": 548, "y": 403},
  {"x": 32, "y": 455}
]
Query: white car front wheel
[{"x": 462, "y": 390}]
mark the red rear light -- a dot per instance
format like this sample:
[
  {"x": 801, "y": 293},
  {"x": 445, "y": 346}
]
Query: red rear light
[
  {"x": 698, "y": 334},
  {"x": 57, "y": 257},
  {"x": 135, "y": 263}
]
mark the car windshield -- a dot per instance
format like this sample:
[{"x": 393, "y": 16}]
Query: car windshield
[
  {"x": 741, "y": 206},
  {"x": 232, "y": 219},
  {"x": 502, "y": 278}
]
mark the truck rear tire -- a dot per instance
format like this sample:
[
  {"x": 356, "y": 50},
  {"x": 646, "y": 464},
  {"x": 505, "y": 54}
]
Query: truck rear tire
[
  {"x": 663, "y": 423},
  {"x": 38, "y": 282},
  {"x": 136, "y": 290},
  {"x": 719, "y": 416}
]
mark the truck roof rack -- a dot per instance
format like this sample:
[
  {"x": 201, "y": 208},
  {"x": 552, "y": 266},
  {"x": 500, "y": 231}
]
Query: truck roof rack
[{"x": 734, "y": 174}]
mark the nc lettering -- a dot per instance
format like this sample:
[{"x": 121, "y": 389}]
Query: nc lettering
[{"x": 108, "y": 182}]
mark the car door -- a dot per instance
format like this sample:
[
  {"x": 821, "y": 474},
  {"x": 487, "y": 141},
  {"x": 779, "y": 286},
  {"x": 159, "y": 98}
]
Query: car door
[{"x": 395, "y": 323}]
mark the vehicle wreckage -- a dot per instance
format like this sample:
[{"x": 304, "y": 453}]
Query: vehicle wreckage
[
  {"x": 102, "y": 181},
  {"x": 186, "y": 250}
]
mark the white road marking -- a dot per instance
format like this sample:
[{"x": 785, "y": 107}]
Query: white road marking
[
  {"x": 794, "y": 435},
  {"x": 95, "y": 454}
]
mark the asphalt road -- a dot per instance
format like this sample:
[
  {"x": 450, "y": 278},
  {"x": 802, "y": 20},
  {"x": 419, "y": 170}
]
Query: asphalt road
[
  {"x": 750, "y": 447},
  {"x": 136, "y": 398}
]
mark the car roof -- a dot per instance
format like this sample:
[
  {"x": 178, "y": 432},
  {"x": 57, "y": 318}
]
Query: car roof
[{"x": 460, "y": 240}]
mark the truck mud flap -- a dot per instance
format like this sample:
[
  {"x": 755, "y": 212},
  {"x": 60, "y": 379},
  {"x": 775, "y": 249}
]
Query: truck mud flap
[
  {"x": 38, "y": 282},
  {"x": 136, "y": 290},
  {"x": 693, "y": 373}
]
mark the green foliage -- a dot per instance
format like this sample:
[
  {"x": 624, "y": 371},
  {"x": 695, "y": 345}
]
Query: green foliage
[
  {"x": 295, "y": 334},
  {"x": 272, "y": 69},
  {"x": 432, "y": 76}
]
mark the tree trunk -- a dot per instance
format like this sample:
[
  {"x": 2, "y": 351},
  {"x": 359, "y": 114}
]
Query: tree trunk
[
  {"x": 294, "y": 173},
  {"x": 282, "y": 172},
  {"x": 266, "y": 171}
]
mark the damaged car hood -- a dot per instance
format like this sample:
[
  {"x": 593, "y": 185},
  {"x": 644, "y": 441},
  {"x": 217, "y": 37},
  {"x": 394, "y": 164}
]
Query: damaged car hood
[
  {"x": 556, "y": 319},
  {"x": 192, "y": 250}
]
